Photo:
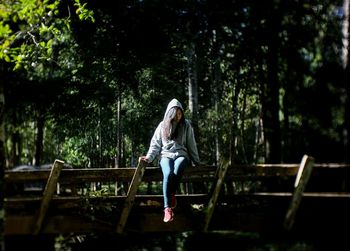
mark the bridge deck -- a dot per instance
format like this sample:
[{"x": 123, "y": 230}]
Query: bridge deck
[{"x": 250, "y": 198}]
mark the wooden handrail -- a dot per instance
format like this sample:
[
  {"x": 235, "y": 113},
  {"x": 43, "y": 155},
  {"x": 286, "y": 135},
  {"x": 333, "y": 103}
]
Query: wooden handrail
[
  {"x": 241, "y": 185},
  {"x": 236, "y": 172}
]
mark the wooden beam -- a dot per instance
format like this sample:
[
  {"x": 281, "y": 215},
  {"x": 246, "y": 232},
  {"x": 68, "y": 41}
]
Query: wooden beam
[
  {"x": 301, "y": 180},
  {"x": 215, "y": 195},
  {"x": 129, "y": 201},
  {"x": 50, "y": 188},
  {"x": 237, "y": 172}
]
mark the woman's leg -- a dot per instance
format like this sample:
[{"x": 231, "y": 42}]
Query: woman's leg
[
  {"x": 167, "y": 166},
  {"x": 179, "y": 166},
  {"x": 172, "y": 174}
]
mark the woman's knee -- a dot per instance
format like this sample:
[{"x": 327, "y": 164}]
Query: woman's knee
[
  {"x": 180, "y": 164},
  {"x": 167, "y": 173}
]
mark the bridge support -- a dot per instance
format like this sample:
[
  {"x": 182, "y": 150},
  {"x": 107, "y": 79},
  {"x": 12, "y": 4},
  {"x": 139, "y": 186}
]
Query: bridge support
[
  {"x": 212, "y": 202},
  {"x": 50, "y": 188},
  {"x": 130, "y": 198},
  {"x": 302, "y": 179}
]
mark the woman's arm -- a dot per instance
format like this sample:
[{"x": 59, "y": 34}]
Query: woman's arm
[
  {"x": 192, "y": 145},
  {"x": 155, "y": 145}
]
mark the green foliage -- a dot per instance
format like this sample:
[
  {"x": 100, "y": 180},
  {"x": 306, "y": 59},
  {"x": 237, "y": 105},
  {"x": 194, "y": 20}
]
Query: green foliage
[
  {"x": 72, "y": 151},
  {"x": 73, "y": 61},
  {"x": 26, "y": 130},
  {"x": 32, "y": 30},
  {"x": 83, "y": 12}
]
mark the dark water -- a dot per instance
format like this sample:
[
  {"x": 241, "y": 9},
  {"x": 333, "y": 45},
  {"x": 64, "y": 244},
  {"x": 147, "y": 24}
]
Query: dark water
[{"x": 187, "y": 241}]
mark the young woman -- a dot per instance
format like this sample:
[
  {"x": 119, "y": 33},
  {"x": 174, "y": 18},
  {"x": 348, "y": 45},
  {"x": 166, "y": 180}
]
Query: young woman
[{"x": 174, "y": 142}]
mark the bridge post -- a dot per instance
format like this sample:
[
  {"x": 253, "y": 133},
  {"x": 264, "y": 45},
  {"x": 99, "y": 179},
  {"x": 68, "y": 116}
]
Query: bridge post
[
  {"x": 130, "y": 198},
  {"x": 301, "y": 180},
  {"x": 50, "y": 188},
  {"x": 212, "y": 202}
]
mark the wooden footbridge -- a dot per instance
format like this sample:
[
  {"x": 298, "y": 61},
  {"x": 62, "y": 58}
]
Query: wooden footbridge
[{"x": 303, "y": 198}]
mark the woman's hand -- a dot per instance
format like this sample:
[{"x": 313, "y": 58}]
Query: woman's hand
[{"x": 144, "y": 159}]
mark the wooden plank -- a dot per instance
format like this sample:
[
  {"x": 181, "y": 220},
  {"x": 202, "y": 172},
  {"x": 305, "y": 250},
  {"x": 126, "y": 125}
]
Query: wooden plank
[
  {"x": 212, "y": 202},
  {"x": 50, "y": 188},
  {"x": 129, "y": 201},
  {"x": 237, "y": 172},
  {"x": 104, "y": 174},
  {"x": 301, "y": 180},
  {"x": 74, "y": 202},
  {"x": 334, "y": 195},
  {"x": 149, "y": 219},
  {"x": 72, "y": 175}
]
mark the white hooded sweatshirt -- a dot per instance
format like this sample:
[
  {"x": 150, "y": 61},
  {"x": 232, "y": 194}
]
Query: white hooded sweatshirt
[{"x": 183, "y": 145}]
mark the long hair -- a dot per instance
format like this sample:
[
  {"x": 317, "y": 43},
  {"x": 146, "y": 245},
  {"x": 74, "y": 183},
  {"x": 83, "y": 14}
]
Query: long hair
[{"x": 168, "y": 131}]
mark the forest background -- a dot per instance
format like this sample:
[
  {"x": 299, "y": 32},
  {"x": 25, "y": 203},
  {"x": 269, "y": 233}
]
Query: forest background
[{"x": 87, "y": 82}]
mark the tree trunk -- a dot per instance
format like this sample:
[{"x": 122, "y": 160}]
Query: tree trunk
[
  {"x": 2, "y": 167},
  {"x": 271, "y": 95},
  {"x": 234, "y": 124},
  {"x": 217, "y": 93},
  {"x": 193, "y": 97},
  {"x": 39, "y": 138},
  {"x": 16, "y": 148},
  {"x": 193, "y": 85},
  {"x": 119, "y": 138},
  {"x": 345, "y": 62}
]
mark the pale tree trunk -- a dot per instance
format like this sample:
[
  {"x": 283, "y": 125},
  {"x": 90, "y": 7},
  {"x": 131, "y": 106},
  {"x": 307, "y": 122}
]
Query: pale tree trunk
[
  {"x": 39, "y": 138},
  {"x": 16, "y": 149},
  {"x": 234, "y": 121},
  {"x": 119, "y": 138},
  {"x": 2, "y": 167},
  {"x": 345, "y": 33},
  {"x": 119, "y": 157},
  {"x": 217, "y": 93},
  {"x": 99, "y": 147},
  {"x": 193, "y": 84},
  {"x": 345, "y": 64},
  {"x": 193, "y": 99}
]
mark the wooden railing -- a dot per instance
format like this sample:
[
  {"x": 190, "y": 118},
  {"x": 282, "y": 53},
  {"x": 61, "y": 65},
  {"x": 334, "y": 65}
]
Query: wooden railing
[{"x": 235, "y": 197}]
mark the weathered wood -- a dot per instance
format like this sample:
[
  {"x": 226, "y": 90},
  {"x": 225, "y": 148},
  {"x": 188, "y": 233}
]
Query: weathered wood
[
  {"x": 72, "y": 175},
  {"x": 146, "y": 219},
  {"x": 47, "y": 195},
  {"x": 215, "y": 195},
  {"x": 236, "y": 172},
  {"x": 129, "y": 201},
  {"x": 301, "y": 181},
  {"x": 256, "y": 201},
  {"x": 104, "y": 174},
  {"x": 75, "y": 202}
]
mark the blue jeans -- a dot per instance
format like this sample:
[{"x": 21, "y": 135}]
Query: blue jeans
[{"x": 172, "y": 173}]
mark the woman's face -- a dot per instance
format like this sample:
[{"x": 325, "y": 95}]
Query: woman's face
[{"x": 178, "y": 115}]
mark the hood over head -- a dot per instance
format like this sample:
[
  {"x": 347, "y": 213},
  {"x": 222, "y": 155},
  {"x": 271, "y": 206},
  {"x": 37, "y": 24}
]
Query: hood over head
[{"x": 173, "y": 103}]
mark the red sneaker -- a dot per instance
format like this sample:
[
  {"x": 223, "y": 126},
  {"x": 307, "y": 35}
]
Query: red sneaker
[
  {"x": 173, "y": 201},
  {"x": 168, "y": 214}
]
